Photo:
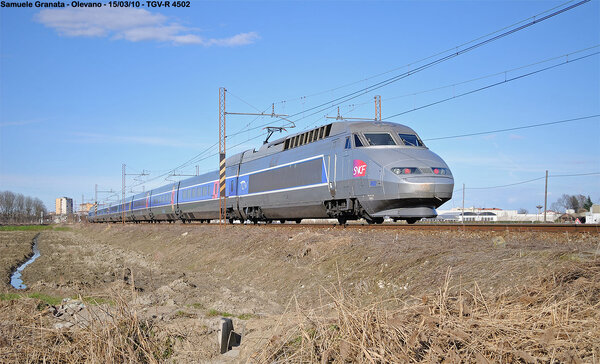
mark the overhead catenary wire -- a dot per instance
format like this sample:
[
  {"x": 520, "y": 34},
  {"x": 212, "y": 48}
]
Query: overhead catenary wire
[
  {"x": 513, "y": 128},
  {"x": 505, "y": 72},
  {"x": 529, "y": 181},
  {"x": 301, "y": 98},
  {"x": 490, "y": 86},
  {"x": 198, "y": 157},
  {"x": 456, "y": 52},
  {"x": 506, "y": 80},
  {"x": 396, "y": 78},
  {"x": 506, "y": 185}
]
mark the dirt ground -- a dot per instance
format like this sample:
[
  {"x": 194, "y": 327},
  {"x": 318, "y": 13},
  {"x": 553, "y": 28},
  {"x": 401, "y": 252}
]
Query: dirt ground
[{"x": 185, "y": 277}]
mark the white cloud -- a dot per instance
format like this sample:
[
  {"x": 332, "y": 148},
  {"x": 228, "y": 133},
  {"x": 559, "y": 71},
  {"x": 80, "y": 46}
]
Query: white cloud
[
  {"x": 21, "y": 122},
  {"x": 134, "y": 25}
]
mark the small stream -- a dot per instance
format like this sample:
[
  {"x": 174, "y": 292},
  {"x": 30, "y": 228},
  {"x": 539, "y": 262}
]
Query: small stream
[{"x": 15, "y": 278}]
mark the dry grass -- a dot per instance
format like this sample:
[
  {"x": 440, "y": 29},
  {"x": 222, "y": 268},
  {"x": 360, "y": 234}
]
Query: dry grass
[
  {"x": 555, "y": 320},
  {"x": 104, "y": 334}
]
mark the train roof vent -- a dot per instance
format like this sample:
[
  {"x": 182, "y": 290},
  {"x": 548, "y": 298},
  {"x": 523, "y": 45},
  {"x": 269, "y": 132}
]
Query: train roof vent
[{"x": 307, "y": 137}]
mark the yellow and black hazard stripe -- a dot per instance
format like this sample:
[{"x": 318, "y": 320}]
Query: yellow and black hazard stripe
[{"x": 222, "y": 175}]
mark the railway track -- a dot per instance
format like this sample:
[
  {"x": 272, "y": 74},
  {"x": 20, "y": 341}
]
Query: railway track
[{"x": 552, "y": 228}]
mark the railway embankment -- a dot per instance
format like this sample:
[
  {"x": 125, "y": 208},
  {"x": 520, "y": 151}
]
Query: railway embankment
[{"x": 285, "y": 288}]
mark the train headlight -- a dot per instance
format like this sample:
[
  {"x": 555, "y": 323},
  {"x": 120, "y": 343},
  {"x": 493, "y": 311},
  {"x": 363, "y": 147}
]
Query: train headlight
[
  {"x": 441, "y": 171},
  {"x": 406, "y": 170}
]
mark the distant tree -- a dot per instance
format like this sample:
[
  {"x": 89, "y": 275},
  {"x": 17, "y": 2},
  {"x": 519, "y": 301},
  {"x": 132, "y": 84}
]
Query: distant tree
[
  {"x": 28, "y": 206},
  {"x": 17, "y": 208},
  {"x": 2, "y": 204},
  {"x": 564, "y": 202},
  {"x": 588, "y": 204},
  {"x": 38, "y": 208},
  {"x": 8, "y": 203},
  {"x": 522, "y": 211},
  {"x": 577, "y": 202},
  {"x": 19, "y": 212}
]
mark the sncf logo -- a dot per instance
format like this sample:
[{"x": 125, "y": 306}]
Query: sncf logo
[{"x": 360, "y": 168}]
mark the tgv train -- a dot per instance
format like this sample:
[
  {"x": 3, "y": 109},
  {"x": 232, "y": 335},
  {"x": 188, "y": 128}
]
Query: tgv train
[{"x": 344, "y": 170}]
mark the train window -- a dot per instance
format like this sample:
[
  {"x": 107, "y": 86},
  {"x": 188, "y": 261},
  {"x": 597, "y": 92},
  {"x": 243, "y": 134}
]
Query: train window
[
  {"x": 379, "y": 139},
  {"x": 357, "y": 142},
  {"x": 411, "y": 139},
  {"x": 348, "y": 144}
]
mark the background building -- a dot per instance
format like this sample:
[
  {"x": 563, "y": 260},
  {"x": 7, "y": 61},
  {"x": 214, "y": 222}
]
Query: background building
[
  {"x": 492, "y": 215},
  {"x": 593, "y": 217},
  {"x": 84, "y": 208},
  {"x": 64, "y": 206}
]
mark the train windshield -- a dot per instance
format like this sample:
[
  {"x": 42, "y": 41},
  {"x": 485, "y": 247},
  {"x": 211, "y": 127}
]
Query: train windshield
[
  {"x": 379, "y": 139},
  {"x": 411, "y": 139}
]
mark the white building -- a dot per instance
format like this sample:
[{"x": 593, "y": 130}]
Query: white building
[
  {"x": 476, "y": 214},
  {"x": 593, "y": 217}
]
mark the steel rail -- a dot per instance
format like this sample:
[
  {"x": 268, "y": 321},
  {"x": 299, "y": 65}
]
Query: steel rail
[{"x": 499, "y": 227}]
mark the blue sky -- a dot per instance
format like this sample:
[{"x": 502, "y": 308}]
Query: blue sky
[{"x": 83, "y": 91}]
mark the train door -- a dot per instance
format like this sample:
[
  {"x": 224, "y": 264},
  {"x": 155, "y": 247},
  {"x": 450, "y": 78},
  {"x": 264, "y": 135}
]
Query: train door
[
  {"x": 345, "y": 173},
  {"x": 332, "y": 168},
  {"x": 176, "y": 188},
  {"x": 241, "y": 187},
  {"x": 359, "y": 168},
  {"x": 173, "y": 197},
  {"x": 231, "y": 185}
]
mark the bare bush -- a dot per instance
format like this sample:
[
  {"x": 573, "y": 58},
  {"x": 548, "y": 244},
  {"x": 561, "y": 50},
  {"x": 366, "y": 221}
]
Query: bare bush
[
  {"x": 553, "y": 321},
  {"x": 109, "y": 334}
]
